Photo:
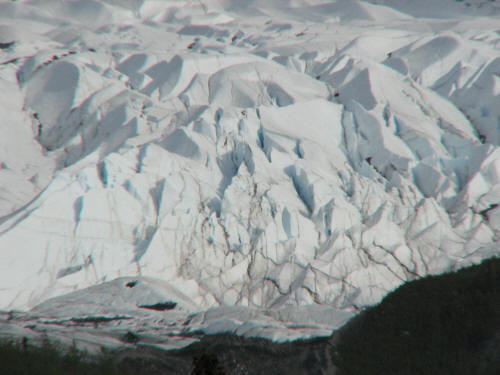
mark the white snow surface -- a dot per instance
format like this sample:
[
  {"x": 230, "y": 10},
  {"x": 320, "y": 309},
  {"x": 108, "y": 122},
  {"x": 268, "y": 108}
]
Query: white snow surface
[{"x": 269, "y": 167}]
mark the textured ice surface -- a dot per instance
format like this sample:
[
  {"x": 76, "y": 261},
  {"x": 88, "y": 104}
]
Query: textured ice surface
[{"x": 269, "y": 167}]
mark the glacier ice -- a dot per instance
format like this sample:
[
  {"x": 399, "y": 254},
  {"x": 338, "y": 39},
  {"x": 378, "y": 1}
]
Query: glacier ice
[{"x": 265, "y": 162}]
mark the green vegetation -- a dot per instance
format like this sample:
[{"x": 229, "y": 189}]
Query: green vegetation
[
  {"x": 22, "y": 358},
  {"x": 49, "y": 358},
  {"x": 207, "y": 363},
  {"x": 447, "y": 324}
]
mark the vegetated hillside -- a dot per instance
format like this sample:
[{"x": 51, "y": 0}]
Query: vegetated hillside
[
  {"x": 447, "y": 324},
  {"x": 50, "y": 359},
  {"x": 213, "y": 355}
]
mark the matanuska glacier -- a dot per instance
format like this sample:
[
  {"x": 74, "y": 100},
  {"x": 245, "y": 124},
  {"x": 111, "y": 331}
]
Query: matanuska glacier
[{"x": 264, "y": 168}]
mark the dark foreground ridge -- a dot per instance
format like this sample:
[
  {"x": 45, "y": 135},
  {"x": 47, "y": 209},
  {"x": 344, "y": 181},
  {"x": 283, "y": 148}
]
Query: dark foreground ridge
[
  {"x": 213, "y": 355},
  {"x": 447, "y": 324}
]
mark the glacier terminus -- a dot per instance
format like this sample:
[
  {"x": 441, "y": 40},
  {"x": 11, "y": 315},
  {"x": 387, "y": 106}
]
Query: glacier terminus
[{"x": 263, "y": 168}]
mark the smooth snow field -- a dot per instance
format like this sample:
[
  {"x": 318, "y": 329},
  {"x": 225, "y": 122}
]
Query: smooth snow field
[{"x": 266, "y": 168}]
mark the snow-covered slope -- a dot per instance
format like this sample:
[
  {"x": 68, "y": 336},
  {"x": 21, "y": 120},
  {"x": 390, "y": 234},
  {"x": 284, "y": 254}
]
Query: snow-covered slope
[{"x": 269, "y": 155}]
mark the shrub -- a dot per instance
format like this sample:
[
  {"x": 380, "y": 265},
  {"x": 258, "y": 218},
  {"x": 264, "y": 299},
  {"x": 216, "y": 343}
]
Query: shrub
[
  {"x": 207, "y": 363},
  {"x": 23, "y": 358}
]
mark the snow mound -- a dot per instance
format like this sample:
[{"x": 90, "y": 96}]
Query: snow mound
[{"x": 123, "y": 296}]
